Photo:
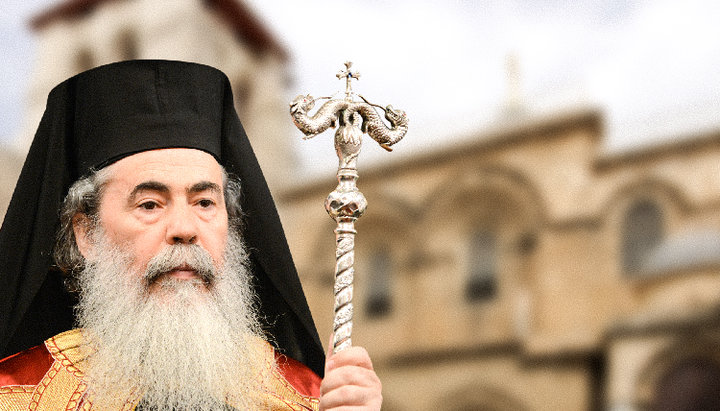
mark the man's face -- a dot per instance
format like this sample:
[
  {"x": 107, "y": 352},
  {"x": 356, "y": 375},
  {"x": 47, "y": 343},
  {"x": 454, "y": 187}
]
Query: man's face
[
  {"x": 165, "y": 209},
  {"x": 158, "y": 198}
]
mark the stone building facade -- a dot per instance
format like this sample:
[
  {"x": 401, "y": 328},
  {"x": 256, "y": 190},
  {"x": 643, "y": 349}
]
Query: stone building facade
[
  {"x": 530, "y": 270},
  {"x": 525, "y": 269}
]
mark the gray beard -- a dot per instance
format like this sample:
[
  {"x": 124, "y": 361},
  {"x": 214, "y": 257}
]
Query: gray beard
[{"x": 177, "y": 344}]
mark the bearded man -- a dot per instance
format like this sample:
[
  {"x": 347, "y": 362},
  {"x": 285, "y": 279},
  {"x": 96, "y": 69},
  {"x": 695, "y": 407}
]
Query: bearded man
[{"x": 169, "y": 260}]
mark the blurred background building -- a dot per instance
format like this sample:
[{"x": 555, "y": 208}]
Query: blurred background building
[
  {"x": 528, "y": 271},
  {"x": 520, "y": 267}
]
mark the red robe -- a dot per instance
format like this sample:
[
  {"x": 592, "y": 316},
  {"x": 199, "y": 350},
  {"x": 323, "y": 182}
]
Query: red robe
[{"x": 50, "y": 376}]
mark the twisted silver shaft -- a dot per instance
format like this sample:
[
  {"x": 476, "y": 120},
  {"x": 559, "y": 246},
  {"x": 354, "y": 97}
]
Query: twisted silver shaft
[
  {"x": 346, "y": 204},
  {"x": 344, "y": 273}
]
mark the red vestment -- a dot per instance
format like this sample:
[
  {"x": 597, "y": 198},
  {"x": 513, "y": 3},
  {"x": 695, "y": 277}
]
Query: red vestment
[{"x": 50, "y": 376}]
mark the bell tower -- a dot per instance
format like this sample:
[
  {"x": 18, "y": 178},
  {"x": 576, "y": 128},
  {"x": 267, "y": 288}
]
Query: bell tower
[{"x": 76, "y": 35}]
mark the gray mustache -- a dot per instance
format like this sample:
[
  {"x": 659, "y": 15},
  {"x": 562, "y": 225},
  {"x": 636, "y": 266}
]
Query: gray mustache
[{"x": 185, "y": 256}]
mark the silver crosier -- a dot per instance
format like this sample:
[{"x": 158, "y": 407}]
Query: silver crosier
[{"x": 346, "y": 203}]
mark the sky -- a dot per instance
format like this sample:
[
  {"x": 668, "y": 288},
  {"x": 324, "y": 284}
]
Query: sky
[{"x": 652, "y": 67}]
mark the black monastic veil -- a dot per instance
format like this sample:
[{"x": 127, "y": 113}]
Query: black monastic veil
[{"x": 111, "y": 112}]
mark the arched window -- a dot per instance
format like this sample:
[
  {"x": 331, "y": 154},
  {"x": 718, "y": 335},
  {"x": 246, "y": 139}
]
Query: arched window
[
  {"x": 642, "y": 231},
  {"x": 482, "y": 274},
  {"x": 379, "y": 297},
  {"x": 241, "y": 96},
  {"x": 84, "y": 60},
  {"x": 128, "y": 45}
]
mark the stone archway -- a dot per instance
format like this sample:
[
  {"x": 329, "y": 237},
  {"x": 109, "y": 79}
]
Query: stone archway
[
  {"x": 682, "y": 375},
  {"x": 691, "y": 384}
]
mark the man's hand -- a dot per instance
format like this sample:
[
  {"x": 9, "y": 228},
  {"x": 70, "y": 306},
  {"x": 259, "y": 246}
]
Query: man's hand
[{"x": 350, "y": 382}]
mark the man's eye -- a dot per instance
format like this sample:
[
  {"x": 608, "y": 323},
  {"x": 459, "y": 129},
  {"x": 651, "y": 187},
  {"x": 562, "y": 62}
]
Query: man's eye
[
  {"x": 148, "y": 205},
  {"x": 205, "y": 203}
]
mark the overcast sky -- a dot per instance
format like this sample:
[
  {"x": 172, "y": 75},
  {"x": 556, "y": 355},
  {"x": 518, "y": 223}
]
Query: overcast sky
[{"x": 653, "y": 66}]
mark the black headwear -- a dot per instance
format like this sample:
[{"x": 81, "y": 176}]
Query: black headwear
[{"x": 111, "y": 112}]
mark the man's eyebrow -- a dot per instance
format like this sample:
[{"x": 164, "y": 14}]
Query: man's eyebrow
[
  {"x": 159, "y": 187},
  {"x": 204, "y": 186},
  {"x": 149, "y": 186}
]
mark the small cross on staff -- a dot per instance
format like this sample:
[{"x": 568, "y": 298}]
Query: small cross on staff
[{"x": 348, "y": 74}]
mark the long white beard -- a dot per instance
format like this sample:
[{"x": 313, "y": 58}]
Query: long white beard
[{"x": 179, "y": 344}]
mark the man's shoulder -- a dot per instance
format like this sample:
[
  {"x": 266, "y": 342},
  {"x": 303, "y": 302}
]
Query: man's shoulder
[
  {"x": 30, "y": 366},
  {"x": 298, "y": 375},
  {"x": 25, "y": 368},
  {"x": 291, "y": 383}
]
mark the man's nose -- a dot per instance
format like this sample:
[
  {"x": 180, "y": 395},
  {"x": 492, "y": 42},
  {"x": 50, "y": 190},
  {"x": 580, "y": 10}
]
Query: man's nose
[{"x": 181, "y": 226}]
